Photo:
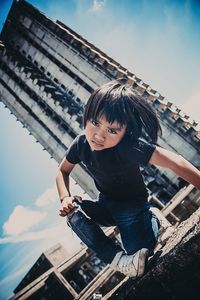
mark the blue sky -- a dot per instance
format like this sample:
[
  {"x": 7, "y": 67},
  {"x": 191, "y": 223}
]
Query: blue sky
[{"x": 159, "y": 41}]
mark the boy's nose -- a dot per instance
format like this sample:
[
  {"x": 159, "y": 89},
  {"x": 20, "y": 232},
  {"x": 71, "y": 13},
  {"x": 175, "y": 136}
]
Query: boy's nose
[{"x": 99, "y": 138}]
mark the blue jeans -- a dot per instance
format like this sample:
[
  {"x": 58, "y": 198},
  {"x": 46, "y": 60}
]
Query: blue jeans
[{"x": 137, "y": 226}]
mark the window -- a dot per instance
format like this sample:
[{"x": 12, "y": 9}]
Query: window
[
  {"x": 85, "y": 266},
  {"x": 63, "y": 87}
]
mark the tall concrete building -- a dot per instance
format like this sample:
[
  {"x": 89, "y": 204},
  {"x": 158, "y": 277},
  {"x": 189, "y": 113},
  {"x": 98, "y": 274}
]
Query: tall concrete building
[{"x": 48, "y": 72}]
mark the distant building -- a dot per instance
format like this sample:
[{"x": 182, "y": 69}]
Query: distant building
[
  {"x": 184, "y": 203},
  {"x": 49, "y": 259},
  {"x": 58, "y": 276}
]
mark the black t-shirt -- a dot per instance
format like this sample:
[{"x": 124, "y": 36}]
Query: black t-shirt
[{"x": 116, "y": 171}]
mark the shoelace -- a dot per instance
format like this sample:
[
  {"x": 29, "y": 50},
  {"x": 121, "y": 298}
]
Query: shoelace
[{"x": 127, "y": 265}]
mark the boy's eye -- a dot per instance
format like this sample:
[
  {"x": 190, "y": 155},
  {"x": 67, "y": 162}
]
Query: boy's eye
[
  {"x": 112, "y": 131},
  {"x": 94, "y": 122}
]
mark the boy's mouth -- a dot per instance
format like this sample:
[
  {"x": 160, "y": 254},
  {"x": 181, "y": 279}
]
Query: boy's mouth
[{"x": 97, "y": 144}]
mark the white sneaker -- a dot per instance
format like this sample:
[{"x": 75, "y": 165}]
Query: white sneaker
[{"x": 130, "y": 265}]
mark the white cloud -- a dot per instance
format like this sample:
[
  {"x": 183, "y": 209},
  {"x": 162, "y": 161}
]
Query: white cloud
[
  {"x": 97, "y": 5},
  {"x": 21, "y": 219},
  {"x": 60, "y": 232},
  {"x": 48, "y": 197},
  {"x": 32, "y": 235}
]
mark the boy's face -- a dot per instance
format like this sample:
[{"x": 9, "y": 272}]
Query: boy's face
[{"x": 103, "y": 135}]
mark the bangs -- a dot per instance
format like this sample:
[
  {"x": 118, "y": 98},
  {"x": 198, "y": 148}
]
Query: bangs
[
  {"x": 112, "y": 101},
  {"x": 113, "y": 112}
]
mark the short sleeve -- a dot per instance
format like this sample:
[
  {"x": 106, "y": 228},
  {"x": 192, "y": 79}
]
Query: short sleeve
[
  {"x": 145, "y": 150},
  {"x": 72, "y": 154}
]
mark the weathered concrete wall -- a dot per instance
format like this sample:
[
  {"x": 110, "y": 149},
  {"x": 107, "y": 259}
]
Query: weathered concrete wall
[{"x": 39, "y": 113}]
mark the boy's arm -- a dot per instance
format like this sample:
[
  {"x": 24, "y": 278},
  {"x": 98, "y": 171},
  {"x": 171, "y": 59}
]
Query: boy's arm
[
  {"x": 62, "y": 178},
  {"x": 179, "y": 165},
  {"x": 62, "y": 182}
]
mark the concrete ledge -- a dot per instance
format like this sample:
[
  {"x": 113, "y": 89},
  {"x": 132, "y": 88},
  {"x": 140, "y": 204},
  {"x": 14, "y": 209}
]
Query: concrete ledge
[{"x": 173, "y": 272}]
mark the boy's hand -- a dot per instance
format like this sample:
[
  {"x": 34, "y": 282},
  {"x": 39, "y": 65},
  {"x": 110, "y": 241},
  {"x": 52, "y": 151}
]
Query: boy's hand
[{"x": 68, "y": 205}]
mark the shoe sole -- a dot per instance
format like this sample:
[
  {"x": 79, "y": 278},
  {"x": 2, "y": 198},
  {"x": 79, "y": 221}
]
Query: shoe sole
[{"x": 143, "y": 259}]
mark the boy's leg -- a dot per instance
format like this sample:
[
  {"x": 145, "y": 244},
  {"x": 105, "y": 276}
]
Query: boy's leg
[
  {"x": 138, "y": 228},
  {"x": 88, "y": 230}
]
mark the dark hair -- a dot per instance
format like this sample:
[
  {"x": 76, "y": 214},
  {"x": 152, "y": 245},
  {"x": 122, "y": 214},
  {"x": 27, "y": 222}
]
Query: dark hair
[{"x": 118, "y": 101}]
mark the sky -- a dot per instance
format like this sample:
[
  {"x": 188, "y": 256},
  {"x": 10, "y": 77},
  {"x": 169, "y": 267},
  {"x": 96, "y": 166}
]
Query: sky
[{"x": 159, "y": 41}]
